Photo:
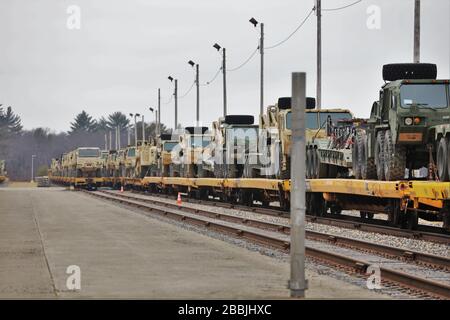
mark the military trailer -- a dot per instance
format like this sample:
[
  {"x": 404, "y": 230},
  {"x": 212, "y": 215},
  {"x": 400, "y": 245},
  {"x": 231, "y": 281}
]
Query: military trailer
[{"x": 408, "y": 133}]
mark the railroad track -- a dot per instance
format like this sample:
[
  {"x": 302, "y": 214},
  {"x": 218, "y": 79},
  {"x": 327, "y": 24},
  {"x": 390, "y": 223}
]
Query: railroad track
[
  {"x": 426, "y": 233},
  {"x": 419, "y": 272}
]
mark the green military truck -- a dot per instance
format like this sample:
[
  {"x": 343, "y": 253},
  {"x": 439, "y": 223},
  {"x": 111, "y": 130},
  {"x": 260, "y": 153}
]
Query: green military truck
[{"x": 408, "y": 133}]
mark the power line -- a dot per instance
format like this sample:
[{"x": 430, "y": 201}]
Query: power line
[
  {"x": 295, "y": 31},
  {"x": 213, "y": 78},
  {"x": 245, "y": 62},
  {"x": 187, "y": 92},
  {"x": 343, "y": 7}
]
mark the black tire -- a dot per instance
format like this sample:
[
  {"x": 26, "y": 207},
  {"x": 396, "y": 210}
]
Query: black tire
[
  {"x": 398, "y": 71},
  {"x": 379, "y": 155},
  {"x": 394, "y": 159},
  {"x": 355, "y": 159},
  {"x": 442, "y": 159},
  {"x": 308, "y": 164},
  {"x": 366, "y": 164}
]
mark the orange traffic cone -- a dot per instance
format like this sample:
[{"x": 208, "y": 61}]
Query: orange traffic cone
[
  {"x": 179, "y": 199},
  {"x": 121, "y": 189}
]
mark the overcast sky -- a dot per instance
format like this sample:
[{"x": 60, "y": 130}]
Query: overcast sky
[{"x": 125, "y": 50}]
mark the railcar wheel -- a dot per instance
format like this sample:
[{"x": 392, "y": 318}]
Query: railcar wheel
[{"x": 442, "y": 159}]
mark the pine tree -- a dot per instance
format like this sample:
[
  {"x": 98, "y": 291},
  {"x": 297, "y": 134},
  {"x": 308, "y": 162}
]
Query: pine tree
[
  {"x": 83, "y": 122},
  {"x": 10, "y": 123},
  {"x": 118, "y": 119}
]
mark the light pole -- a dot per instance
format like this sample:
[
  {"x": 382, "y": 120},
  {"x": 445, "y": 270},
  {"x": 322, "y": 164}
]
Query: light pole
[
  {"x": 159, "y": 111},
  {"x": 416, "y": 31},
  {"x": 261, "y": 51},
  {"x": 32, "y": 167},
  {"x": 175, "y": 94},
  {"x": 135, "y": 127},
  {"x": 156, "y": 121},
  {"x": 143, "y": 130},
  {"x": 224, "y": 73},
  {"x": 319, "y": 55},
  {"x": 197, "y": 82}
]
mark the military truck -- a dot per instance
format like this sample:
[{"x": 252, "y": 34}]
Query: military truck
[
  {"x": 233, "y": 148},
  {"x": 409, "y": 127},
  {"x": 146, "y": 159},
  {"x": 2, "y": 171},
  {"x": 187, "y": 161},
  {"x": 85, "y": 162},
  {"x": 131, "y": 155},
  {"x": 165, "y": 146},
  {"x": 276, "y": 125}
]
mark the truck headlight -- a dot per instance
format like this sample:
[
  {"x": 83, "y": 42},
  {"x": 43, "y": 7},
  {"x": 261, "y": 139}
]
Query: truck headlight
[{"x": 408, "y": 121}]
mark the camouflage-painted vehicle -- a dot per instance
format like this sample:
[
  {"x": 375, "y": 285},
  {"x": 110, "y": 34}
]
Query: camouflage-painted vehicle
[
  {"x": 86, "y": 162},
  {"x": 233, "y": 150},
  {"x": 276, "y": 125},
  {"x": 165, "y": 146},
  {"x": 188, "y": 159},
  {"x": 409, "y": 127}
]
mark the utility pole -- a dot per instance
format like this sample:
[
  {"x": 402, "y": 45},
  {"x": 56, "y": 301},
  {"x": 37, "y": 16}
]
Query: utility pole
[
  {"x": 117, "y": 137},
  {"x": 416, "y": 31},
  {"x": 159, "y": 113},
  {"x": 197, "y": 80},
  {"x": 297, "y": 283},
  {"x": 128, "y": 136},
  {"x": 319, "y": 55},
  {"x": 176, "y": 105},
  {"x": 143, "y": 130},
  {"x": 106, "y": 142},
  {"x": 110, "y": 139},
  {"x": 32, "y": 167},
  {"x": 135, "y": 130},
  {"x": 224, "y": 72},
  {"x": 261, "y": 51}
]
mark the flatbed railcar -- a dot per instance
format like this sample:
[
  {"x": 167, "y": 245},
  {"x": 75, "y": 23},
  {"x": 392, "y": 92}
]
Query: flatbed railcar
[{"x": 403, "y": 201}]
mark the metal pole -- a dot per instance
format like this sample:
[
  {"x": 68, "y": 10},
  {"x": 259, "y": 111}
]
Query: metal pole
[
  {"x": 159, "y": 112},
  {"x": 135, "y": 131},
  {"x": 128, "y": 136},
  {"x": 32, "y": 168},
  {"x": 143, "y": 130},
  {"x": 261, "y": 50},
  {"x": 157, "y": 124},
  {"x": 198, "y": 93},
  {"x": 106, "y": 142},
  {"x": 117, "y": 139},
  {"x": 110, "y": 140},
  {"x": 224, "y": 72},
  {"x": 298, "y": 283},
  {"x": 417, "y": 31},
  {"x": 319, "y": 55},
  {"x": 118, "y": 134},
  {"x": 176, "y": 105}
]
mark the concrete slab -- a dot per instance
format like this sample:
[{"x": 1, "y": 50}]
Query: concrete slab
[{"x": 126, "y": 255}]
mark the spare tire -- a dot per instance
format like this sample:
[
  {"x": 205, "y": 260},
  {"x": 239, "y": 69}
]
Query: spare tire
[
  {"x": 399, "y": 71},
  {"x": 239, "y": 119}
]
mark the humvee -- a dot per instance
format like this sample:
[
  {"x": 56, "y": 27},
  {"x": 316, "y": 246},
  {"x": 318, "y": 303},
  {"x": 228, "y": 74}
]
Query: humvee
[{"x": 409, "y": 127}]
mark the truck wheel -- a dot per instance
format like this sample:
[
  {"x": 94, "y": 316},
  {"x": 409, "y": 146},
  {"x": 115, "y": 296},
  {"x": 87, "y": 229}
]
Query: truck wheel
[
  {"x": 366, "y": 164},
  {"x": 355, "y": 159},
  {"x": 394, "y": 159},
  {"x": 442, "y": 159},
  {"x": 379, "y": 155}
]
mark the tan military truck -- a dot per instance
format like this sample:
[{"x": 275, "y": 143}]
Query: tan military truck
[
  {"x": 86, "y": 162},
  {"x": 188, "y": 160},
  {"x": 165, "y": 146},
  {"x": 276, "y": 124},
  {"x": 2, "y": 171}
]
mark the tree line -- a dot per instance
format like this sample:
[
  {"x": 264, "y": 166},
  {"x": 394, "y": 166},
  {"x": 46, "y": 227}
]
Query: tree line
[{"x": 17, "y": 145}]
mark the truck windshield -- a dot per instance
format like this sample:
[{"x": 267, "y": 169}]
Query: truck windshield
[
  {"x": 424, "y": 96},
  {"x": 131, "y": 152},
  {"x": 168, "y": 146},
  {"x": 200, "y": 141},
  {"x": 311, "y": 118},
  {"x": 88, "y": 153}
]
